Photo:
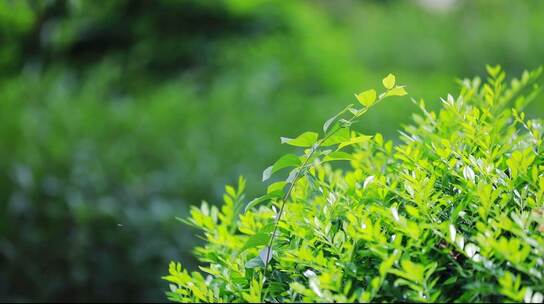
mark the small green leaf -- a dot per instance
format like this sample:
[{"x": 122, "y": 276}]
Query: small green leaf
[
  {"x": 450, "y": 281},
  {"x": 355, "y": 140},
  {"x": 344, "y": 123},
  {"x": 397, "y": 91},
  {"x": 328, "y": 123},
  {"x": 389, "y": 81},
  {"x": 493, "y": 70},
  {"x": 412, "y": 210},
  {"x": 338, "y": 155},
  {"x": 340, "y": 136},
  {"x": 271, "y": 195},
  {"x": 255, "y": 262},
  {"x": 305, "y": 139},
  {"x": 367, "y": 98},
  {"x": 355, "y": 112},
  {"x": 266, "y": 255},
  {"x": 277, "y": 186},
  {"x": 288, "y": 160},
  {"x": 260, "y": 238}
]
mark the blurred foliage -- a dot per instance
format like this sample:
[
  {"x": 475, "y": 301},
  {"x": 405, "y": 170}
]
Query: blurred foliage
[{"x": 115, "y": 115}]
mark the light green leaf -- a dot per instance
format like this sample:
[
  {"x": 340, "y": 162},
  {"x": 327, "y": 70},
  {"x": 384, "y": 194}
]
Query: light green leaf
[
  {"x": 269, "y": 196},
  {"x": 367, "y": 98},
  {"x": 288, "y": 160},
  {"x": 389, "y": 81},
  {"x": 260, "y": 238},
  {"x": 355, "y": 112},
  {"x": 340, "y": 136},
  {"x": 493, "y": 70},
  {"x": 330, "y": 121},
  {"x": 397, "y": 91},
  {"x": 355, "y": 140},
  {"x": 338, "y": 155},
  {"x": 277, "y": 186},
  {"x": 306, "y": 139}
]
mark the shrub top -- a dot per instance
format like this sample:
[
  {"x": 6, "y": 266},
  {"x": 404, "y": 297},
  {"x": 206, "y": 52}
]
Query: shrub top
[{"x": 454, "y": 212}]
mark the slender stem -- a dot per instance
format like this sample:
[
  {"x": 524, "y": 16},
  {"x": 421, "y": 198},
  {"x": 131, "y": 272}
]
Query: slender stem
[
  {"x": 284, "y": 199},
  {"x": 297, "y": 176}
]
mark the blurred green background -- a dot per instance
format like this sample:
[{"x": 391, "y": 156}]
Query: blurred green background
[{"x": 116, "y": 115}]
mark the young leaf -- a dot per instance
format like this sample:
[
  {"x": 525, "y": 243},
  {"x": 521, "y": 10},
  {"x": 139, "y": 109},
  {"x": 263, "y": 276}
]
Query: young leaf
[
  {"x": 305, "y": 139},
  {"x": 367, "y": 98},
  {"x": 468, "y": 173},
  {"x": 328, "y": 123},
  {"x": 338, "y": 155},
  {"x": 266, "y": 255},
  {"x": 271, "y": 195},
  {"x": 255, "y": 262},
  {"x": 355, "y": 140},
  {"x": 277, "y": 186},
  {"x": 453, "y": 233},
  {"x": 389, "y": 81},
  {"x": 341, "y": 135},
  {"x": 493, "y": 70},
  {"x": 397, "y": 91},
  {"x": 260, "y": 238},
  {"x": 288, "y": 160}
]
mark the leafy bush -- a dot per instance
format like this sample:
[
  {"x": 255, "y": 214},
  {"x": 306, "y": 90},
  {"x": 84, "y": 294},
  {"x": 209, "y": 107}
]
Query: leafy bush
[
  {"x": 115, "y": 115},
  {"x": 453, "y": 212}
]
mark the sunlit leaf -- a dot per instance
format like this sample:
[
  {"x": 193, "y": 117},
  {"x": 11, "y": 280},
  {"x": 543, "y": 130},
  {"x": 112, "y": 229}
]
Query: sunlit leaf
[
  {"x": 339, "y": 136},
  {"x": 397, "y": 91},
  {"x": 338, "y": 155},
  {"x": 288, "y": 160},
  {"x": 260, "y": 238},
  {"x": 389, "y": 81},
  {"x": 269, "y": 196},
  {"x": 306, "y": 139},
  {"x": 367, "y": 98},
  {"x": 355, "y": 140}
]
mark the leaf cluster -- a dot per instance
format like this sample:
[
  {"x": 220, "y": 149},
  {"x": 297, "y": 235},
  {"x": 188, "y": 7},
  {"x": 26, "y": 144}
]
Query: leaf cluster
[{"x": 453, "y": 212}]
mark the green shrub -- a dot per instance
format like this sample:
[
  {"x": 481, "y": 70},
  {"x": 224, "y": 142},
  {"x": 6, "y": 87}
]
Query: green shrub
[{"x": 453, "y": 212}]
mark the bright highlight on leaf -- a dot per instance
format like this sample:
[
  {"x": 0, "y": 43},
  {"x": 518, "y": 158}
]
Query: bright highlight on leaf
[
  {"x": 367, "y": 98},
  {"x": 389, "y": 81}
]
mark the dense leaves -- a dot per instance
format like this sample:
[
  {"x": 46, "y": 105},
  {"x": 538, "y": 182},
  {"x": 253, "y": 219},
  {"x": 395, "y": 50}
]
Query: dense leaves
[{"x": 453, "y": 213}]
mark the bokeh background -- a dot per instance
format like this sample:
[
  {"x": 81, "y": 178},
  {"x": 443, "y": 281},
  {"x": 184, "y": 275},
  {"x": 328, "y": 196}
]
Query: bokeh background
[{"x": 117, "y": 115}]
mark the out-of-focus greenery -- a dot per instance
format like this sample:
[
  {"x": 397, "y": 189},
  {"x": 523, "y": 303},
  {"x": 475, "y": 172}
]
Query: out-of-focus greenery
[{"x": 116, "y": 115}]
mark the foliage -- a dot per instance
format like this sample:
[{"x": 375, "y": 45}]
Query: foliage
[
  {"x": 452, "y": 213},
  {"x": 115, "y": 115}
]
